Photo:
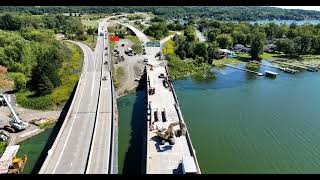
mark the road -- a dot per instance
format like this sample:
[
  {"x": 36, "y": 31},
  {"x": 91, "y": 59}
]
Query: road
[
  {"x": 71, "y": 151},
  {"x": 200, "y": 36},
  {"x": 99, "y": 160}
]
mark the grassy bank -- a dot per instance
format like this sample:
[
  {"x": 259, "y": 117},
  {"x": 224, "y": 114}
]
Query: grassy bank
[
  {"x": 118, "y": 74},
  {"x": 136, "y": 47},
  {"x": 221, "y": 62},
  {"x": 179, "y": 68},
  {"x": 70, "y": 73}
]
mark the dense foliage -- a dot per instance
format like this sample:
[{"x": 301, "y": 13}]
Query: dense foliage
[
  {"x": 35, "y": 60},
  {"x": 238, "y": 13}
]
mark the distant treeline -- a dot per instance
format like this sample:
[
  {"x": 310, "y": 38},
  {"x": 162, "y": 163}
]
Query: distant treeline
[{"x": 237, "y": 13}]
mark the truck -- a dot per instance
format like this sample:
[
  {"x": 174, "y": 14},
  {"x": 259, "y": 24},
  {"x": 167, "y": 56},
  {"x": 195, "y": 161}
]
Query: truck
[{"x": 16, "y": 123}]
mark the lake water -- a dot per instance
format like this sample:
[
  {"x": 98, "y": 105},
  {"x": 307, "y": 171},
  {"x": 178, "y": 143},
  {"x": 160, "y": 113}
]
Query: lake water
[
  {"x": 286, "y": 22},
  {"x": 240, "y": 122}
]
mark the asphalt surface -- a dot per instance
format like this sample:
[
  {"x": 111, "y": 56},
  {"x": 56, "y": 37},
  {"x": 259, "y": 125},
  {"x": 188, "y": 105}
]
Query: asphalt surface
[
  {"x": 102, "y": 139},
  {"x": 71, "y": 153}
]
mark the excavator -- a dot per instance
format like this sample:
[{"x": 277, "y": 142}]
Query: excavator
[
  {"x": 17, "y": 165},
  {"x": 168, "y": 134}
]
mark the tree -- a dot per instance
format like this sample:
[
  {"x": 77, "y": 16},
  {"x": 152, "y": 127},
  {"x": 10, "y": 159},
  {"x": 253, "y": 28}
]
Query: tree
[
  {"x": 212, "y": 34},
  {"x": 213, "y": 49},
  {"x": 225, "y": 41},
  {"x": 201, "y": 50},
  {"x": 157, "y": 30},
  {"x": 285, "y": 45},
  {"x": 9, "y": 22},
  {"x": 239, "y": 37},
  {"x": 190, "y": 33},
  {"x": 256, "y": 47}
]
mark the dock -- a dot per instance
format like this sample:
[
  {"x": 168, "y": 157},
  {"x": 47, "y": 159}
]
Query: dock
[{"x": 243, "y": 69}]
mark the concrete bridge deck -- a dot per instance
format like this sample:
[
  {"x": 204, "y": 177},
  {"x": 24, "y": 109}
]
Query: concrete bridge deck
[{"x": 163, "y": 159}]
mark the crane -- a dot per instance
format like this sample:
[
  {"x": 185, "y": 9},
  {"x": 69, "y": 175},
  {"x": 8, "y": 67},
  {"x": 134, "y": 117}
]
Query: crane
[{"x": 15, "y": 122}]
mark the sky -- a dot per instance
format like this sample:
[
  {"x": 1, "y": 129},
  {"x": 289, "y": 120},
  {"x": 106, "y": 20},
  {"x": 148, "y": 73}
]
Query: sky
[{"x": 317, "y": 8}]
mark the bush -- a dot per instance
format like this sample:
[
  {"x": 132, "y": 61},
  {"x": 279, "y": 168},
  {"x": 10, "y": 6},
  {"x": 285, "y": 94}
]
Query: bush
[
  {"x": 20, "y": 81},
  {"x": 28, "y": 100}
]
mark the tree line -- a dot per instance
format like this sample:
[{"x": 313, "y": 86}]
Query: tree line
[{"x": 225, "y": 13}]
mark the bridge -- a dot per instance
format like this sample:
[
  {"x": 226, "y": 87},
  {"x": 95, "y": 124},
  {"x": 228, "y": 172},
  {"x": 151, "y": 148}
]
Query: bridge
[
  {"x": 87, "y": 140},
  {"x": 164, "y": 159}
]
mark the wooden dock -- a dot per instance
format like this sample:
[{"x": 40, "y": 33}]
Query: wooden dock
[{"x": 243, "y": 69}]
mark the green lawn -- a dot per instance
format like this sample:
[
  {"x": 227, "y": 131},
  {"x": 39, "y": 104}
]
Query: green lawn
[{"x": 221, "y": 62}]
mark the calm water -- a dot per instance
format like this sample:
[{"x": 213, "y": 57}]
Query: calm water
[
  {"x": 243, "y": 123},
  {"x": 32, "y": 148},
  {"x": 286, "y": 22}
]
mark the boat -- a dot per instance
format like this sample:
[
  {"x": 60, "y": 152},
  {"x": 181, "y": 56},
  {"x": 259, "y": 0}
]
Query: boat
[
  {"x": 312, "y": 69},
  {"x": 271, "y": 74},
  {"x": 288, "y": 70}
]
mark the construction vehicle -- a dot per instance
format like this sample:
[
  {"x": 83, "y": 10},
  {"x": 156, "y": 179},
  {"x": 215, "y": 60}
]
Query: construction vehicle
[
  {"x": 17, "y": 165},
  {"x": 167, "y": 134},
  {"x": 16, "y": 123},
  {"x": 9, "y": 163},
  {"x": 3, "y": 136}
]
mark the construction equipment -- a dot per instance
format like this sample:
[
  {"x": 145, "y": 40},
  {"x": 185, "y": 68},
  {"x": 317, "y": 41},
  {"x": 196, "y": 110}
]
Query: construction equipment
[
  {"x": 3, "y": 136},
  {"x": 17, "y": 165},
  {"x": 9, "y": 163},
  {"x": 168, "y": 134},
  {"x": 15, "y": 122}
]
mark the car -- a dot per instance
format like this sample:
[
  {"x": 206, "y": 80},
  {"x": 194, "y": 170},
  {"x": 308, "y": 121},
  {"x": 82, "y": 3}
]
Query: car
[
  {"x": 106, "y": 54},
  {"x": 161, "y": 75},
  {"x": 104, "y": 78},
  {"x": 145, "y": 60},
  {"x": 106, "y": 62}
]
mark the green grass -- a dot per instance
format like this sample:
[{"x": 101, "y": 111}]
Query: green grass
[
  {"x": 70, "y": 74},
  {"x": 136, "y": 47},
  {"x": 3, "y": 145},
  {"x": 265, "y": 56},
  {"x": 117, "y": 76},
  {"x": 168, "y": 47},
  {"x": 221, "y": 62}
]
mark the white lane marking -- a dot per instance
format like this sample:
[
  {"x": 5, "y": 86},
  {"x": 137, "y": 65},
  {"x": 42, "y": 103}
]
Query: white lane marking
[{"x": 65, "y": 143}]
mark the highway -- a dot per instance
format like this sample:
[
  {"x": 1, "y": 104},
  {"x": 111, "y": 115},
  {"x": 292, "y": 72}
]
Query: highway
[
  {"x": 69, "y": 154},
  {"x": 99, "y": 160}
]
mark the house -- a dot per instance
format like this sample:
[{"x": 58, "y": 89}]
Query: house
[
  {"x": 270, "y": 48},
  {"x": 240, "y": 48},
  {"x": 226, "y": 52}
]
